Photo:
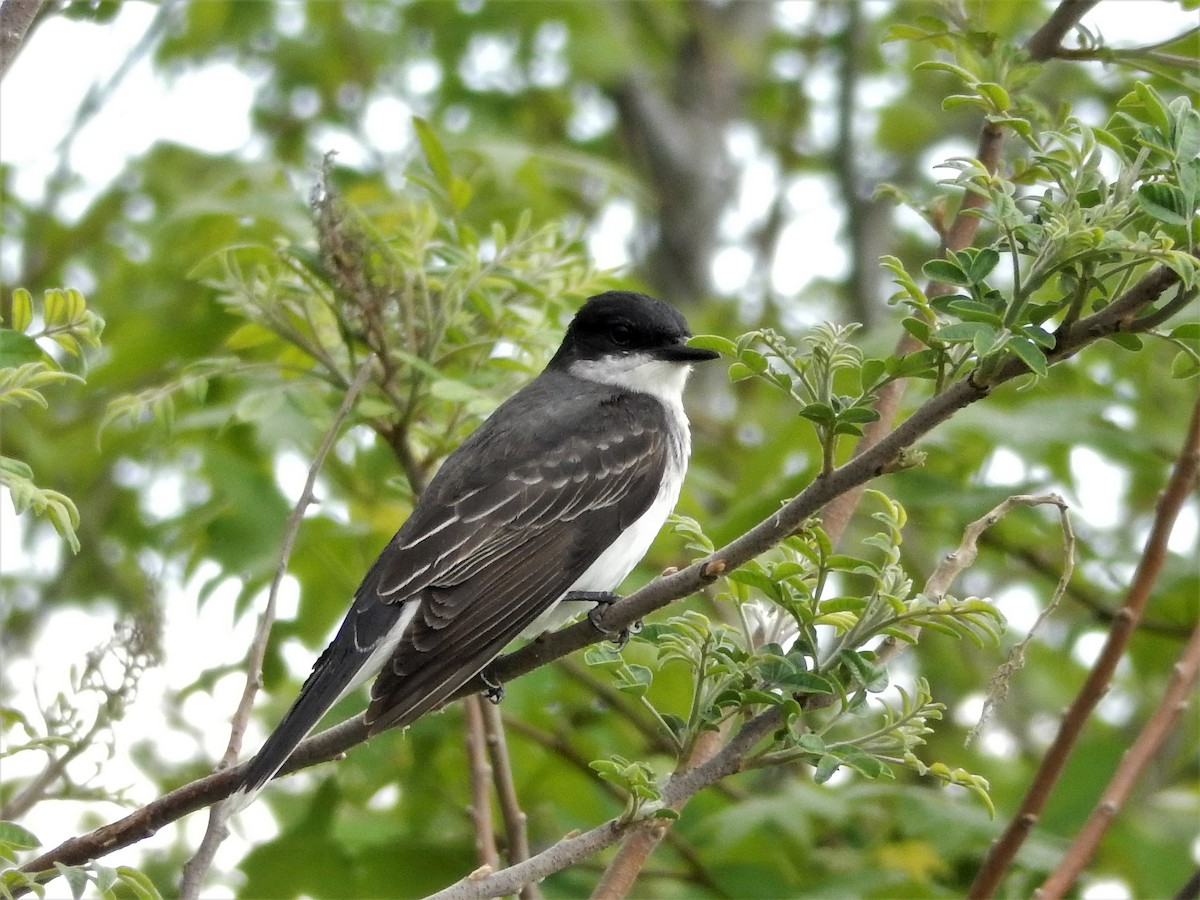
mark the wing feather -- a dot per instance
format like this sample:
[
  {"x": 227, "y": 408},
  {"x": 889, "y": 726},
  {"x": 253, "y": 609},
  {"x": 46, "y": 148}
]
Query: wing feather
[{"x": 510, "y": 522}]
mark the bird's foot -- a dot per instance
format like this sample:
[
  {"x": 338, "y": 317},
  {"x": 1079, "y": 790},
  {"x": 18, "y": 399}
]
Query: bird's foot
[
  {"x": 495, "y": 690},
  {"x": 603, "y": 600}
]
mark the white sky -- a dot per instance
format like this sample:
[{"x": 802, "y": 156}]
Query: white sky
[{"x": 209, "y": 109}]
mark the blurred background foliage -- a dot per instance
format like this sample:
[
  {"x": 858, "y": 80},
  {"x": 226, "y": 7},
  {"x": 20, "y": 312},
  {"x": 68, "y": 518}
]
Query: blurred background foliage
[{"x": 725, "y": 155}]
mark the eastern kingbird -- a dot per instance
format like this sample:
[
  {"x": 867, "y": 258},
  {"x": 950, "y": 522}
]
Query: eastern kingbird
[{"x": 557, "y": 495}]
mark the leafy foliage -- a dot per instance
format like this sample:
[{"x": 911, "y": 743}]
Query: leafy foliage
[{"x": 446, "y": 260}]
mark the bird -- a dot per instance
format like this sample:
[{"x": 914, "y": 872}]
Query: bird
[{"x": 542, "y": 511}]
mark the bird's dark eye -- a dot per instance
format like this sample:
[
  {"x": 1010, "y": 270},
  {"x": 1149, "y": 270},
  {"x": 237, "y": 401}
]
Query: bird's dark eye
[{"x": 621, "y": 334}]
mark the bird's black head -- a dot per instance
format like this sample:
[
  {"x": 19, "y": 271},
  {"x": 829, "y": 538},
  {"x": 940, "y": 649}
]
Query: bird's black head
[{"x": 618, "y": 323}]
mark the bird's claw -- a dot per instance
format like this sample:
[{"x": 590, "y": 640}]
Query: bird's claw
[
  {"x": 494, "y": 689},
  {"x": 603, "y": 600}
]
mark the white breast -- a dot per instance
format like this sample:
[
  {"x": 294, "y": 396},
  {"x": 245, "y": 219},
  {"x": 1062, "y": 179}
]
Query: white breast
[{"x": 664, "y": 381}]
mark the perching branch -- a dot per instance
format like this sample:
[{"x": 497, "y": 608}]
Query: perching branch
[
  {"x": 867, "y": 465},
  {"x": 1179, "y": 487},
  {"x": 194, "y": 871}
]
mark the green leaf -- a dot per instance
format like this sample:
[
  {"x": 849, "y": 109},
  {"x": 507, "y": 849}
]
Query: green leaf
[
  {"x": 922, "y": 364},
  {"x": 1020, "y": 126},
  {"x": 859, "y": 414},
  {"x": 807, "y": 683},
  {"x": 872, "y": 372},
  {"x": 1185, "y": 137},
  {"x": 994, "y": 94},
  {"x": 635, "y": 680},
  {"x": 817, "y": 412},
  {"x": 861, "y": 762},
  {"x": 739, "y": 372},
  {"x": 17, "y": 349},
  {"x": 75, "y": 877},
  {"x": 22, "y": 309},
  {"x": 964, "y": 332},
  {"x": 435, "y": 153},
  {"x": 754, "y": 361},
  {"x": 982, "y": 264},
  {"x": 14, "y": 837},
  {"x": 873, "y": 678},
  {"x": 1151, "y": 101},
  {"x": 1029, "y": 354},
  {"x": 946, "y": 272},
  {"x": 1188, "y": 331},
  {"x": 827, "y": 765},
  {"x": 137, "y": 882},
  {"x": 939, "y": 65},
  {"x": 1185, "y": 365},
  {"x": 918, "y": 328},
  {"x": 721, "y": 345},
  {"x": 1126, "y": 340},
  {"x": 1164, "y": 202}
]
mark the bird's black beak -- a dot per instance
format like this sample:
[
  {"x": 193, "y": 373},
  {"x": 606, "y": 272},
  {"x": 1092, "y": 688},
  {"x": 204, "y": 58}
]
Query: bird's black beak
[{"x": 685, "y": 354}]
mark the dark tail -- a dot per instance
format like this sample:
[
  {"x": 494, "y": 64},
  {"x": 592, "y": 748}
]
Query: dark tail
[{"x": 324, "y": 687}]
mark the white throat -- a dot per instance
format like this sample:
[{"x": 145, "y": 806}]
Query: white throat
[{"x": 638, "y": 372}]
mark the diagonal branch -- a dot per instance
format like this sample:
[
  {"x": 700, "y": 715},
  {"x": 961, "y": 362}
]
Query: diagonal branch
[
  {"x": 1133, "y": 763},
  {"x": 960, "y": 234},
  {"x": 680, "y": 788},
  {"x": 194, "y": 871},
  {"x": 1179, "y": 488},
  {"x": 16, "y": 17},
  {"x": 1046, "y": 42},
  {"x": 872, "y": 462}
]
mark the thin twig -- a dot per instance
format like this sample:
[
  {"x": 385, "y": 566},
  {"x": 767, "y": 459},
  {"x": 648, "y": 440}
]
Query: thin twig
[
  {"x": 1179, "y": 486},
  {"x": 678, "y": 790},
  {"x": 619, "y": 703},
  {"x": 195, "y": 869},
  {"x": 956, "y": 562},
  {"x": 1133, "y": 763},
  {"x": 334, "y": 741},
  {"x": 56, "y": 767},
  {"x": 481, "y": 773},
  {"x": 1080, "y": 589},
  {"x": 506, "y": 791}
]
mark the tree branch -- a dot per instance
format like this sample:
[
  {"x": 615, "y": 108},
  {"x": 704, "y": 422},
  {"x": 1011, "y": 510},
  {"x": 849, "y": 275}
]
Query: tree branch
[
  {"x": 194, "y": 870},
  {"x": 16, "y": 16},
  {"x": 619, "y": 877},
  {"x": 678, "y": 790},
  {"x": 1133, "y": 763},
  {"x": 961, "y": 233},
  {"x": 1004, "y": 850},
  {"x": 481, "y": 774},
  {"x": 867, "y": 465},
  {"x": 506, "y": 791},
  {"x": 1046, "y": 42}
]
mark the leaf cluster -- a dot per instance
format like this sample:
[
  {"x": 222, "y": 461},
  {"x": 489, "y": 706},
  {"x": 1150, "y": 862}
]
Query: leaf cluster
[
  {"x": 808, "y": 647},
  {"x": 27, "y": 368}
]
